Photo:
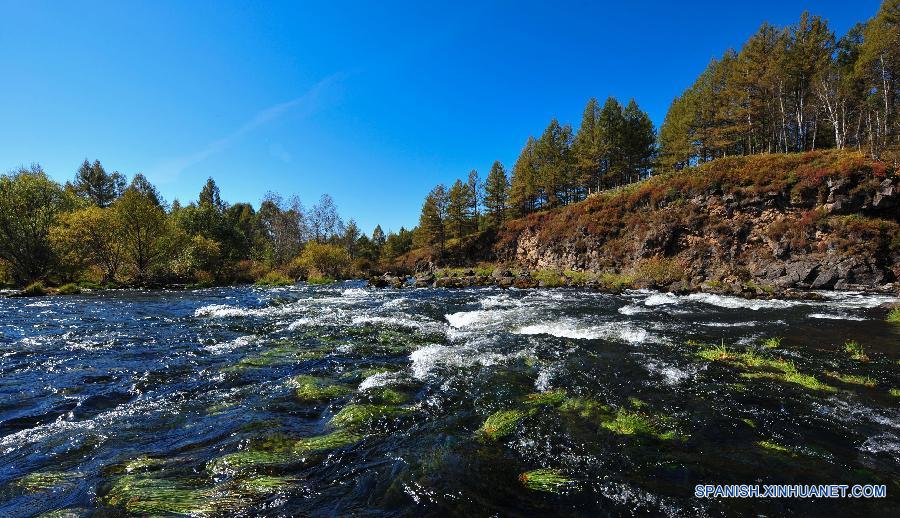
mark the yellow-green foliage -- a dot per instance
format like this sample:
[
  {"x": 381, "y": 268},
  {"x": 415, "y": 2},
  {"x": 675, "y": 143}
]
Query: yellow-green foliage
[
  {"x": 616, "y": 281},
  {"x": 894, "y": 392},
  {"x": 894, "y": 316},
  {"x": 310, "y": 388},
  {"x": 68, "y": 289},
  {"x": 274, "y": 278},
  {"x": 35, "y": 289},
  {"x": 325, "y": 261},
  {"x": 660, "y": 270},
  {"x": 500, "y": 424},
  {"x": 549, "y": 278},
  {"x": 804, "y": 380},
  {"x": 547, "y": 479}
]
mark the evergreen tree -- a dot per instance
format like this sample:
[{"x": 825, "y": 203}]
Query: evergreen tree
[
  {"x": 459, "y": 209},
  {"x": 378, "y": 239},
  {"x": 639, "y": 142},
  {"x": 433, "y": 220},
  {"x": 95, "y": 185},
  {"x": 609, "y": 143},
  {"x": 552, "y": 155},
  {"x": 524, "y": 185},
  {"x": 351, "y": 236},
  {"x": 476, "y": 189},
  {"x": 496, "y": 190}
]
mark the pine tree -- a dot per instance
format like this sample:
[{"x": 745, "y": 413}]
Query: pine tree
[
  {"x": 95, "y": 185},
  {"x": 476, "y": 189},
  {"x": 676, "y": 148},
  {"x": 433, "y": 219},
  {"x": 639, "y": 142},
  {"x": 524, "y": 186},
  {"x": 459, "y": 209},
  {"x": 586, "y": 151},
  {"x": 553, "y": 158},
  {"x": 378, "y": 239},
  {"x": 496, "y": 190},
  {"x": 609, "y": 142}
]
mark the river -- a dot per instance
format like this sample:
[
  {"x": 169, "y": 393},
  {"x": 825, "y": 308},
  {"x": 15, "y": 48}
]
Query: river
[{"x": 343, "y": 399}]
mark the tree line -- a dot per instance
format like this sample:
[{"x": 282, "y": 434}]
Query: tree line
[
  {"x": 106, "y": 230},
  {"x": 614, "y": 146},
  {"x": 793, "y": 89}
]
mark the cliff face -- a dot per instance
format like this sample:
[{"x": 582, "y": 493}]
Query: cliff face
[{"x": 822, "y": 220}]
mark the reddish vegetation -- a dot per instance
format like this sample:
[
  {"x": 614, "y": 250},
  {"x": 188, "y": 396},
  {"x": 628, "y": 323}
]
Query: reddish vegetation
[{"x": 737, "y": 219}]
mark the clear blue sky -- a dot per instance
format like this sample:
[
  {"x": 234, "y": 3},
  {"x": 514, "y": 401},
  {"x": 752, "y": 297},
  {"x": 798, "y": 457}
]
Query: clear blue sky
[{"x": 372, "y": 102}]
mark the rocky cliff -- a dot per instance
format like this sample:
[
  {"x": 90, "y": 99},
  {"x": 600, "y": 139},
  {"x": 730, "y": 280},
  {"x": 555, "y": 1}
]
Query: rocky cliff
[{"x": 765, "y": 223}]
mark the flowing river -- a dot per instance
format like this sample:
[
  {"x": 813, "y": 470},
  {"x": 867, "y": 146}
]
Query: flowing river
[{"x": 344, "y": 399}]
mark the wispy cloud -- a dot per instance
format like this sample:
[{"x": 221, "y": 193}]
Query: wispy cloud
[{"x": 169, "y": 170}]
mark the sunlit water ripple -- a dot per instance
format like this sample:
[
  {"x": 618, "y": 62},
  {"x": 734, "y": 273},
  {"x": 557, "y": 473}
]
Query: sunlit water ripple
[{"x": 129, "y": 401}]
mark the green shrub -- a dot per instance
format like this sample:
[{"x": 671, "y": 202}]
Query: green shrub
[
  {"x": 274, "y": 278},
  {"x": 549, "y": 278},
  {"x": 35, "y": 289},
  {"x": 894, "y": 316},
  {"x": 68, "y": 289}
]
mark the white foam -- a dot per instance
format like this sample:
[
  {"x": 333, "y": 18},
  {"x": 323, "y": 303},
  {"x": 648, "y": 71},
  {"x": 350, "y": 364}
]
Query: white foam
[
  {"x": 730, "y": 302},
  {"x": 355, "y": 293},
  {"x": 835, "y": 316},
  {"x": 431, "y": 357},
  {"x": 660, "y": 299},
  {"x": 241, "y": 341},
  {"x": 219, "y": 311},
  {"x": 467, "y": 318},
  {"x": 570, "y": 329},
  {"x": 632, "y": 309},
  {"x": 378, "y": 380}
]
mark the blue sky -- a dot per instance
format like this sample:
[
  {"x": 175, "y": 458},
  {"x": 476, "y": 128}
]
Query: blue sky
[{"x": 372, "y": 102}]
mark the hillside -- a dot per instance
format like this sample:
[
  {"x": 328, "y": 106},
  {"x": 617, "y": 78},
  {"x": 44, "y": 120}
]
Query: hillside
[{"x": 753, "y": 225}]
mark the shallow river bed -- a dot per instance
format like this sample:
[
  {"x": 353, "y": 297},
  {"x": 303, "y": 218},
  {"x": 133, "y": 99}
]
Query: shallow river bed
[{"x": 343, "y": 399}]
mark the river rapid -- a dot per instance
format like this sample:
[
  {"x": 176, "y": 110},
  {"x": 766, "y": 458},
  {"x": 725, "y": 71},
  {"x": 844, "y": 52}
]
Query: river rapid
[{"x": 344, "y": 399}]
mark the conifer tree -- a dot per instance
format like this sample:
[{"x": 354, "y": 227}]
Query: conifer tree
[
  {"x": 586, "y": 151},
  {"x": 523, "y": 186},
  {"x": 433, "y": 219},
  {"x": 496, "y": 190},
  {"x": 95, "y": 185}
]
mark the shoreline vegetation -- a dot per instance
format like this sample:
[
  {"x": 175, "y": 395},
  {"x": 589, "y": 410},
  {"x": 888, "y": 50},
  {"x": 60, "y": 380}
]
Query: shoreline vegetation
[{"x": 774, "y": 175}]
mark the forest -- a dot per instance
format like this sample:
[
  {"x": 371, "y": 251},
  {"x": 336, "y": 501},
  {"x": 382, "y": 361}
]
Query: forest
[{"x": 99, "y": 230}]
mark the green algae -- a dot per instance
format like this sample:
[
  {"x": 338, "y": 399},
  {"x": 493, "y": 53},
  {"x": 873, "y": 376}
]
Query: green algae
[
  {"x": 636, "y": 403},
  {"x": 311, "y": 389},
  {"x": 855, "y": 350},
  {"x": 358, "y": 415},
  {"x": 279, "y": 451},
  {"x": 358, "y": 375},
  {"x": 390, "y": 396},
  {"x": 583, "y": 407},
  {"x": 500, "y": 424},
  {"x": 548, "y": 480},
  {"x": 804, "y": 380},
  {"x": 749, "y": 422},
  {"x": 776, "y": 448},
  {"x": 47, "y": 480},
  {"x": 894, "y": 392},
  {"x": 139, "y": 494},
  {"x": 851, "y": 379},
  {"x": 627, "y": 422},
  {"x": 334, "y": 440},
  {"x": 553, "y": 397},
  {"x": 772, "y": 343},
  {"x": 249, "y": 459},
  {"x": 262, "y": 485}
]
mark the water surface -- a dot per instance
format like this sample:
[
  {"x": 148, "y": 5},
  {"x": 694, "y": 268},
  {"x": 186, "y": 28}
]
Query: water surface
[{"x": 198, "y": 402}]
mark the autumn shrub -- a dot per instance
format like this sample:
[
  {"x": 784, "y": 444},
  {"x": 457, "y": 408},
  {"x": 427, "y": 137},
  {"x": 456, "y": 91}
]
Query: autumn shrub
[
  {"x": 325, "y": 260},
  {"x": 68, "y": 289}
]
